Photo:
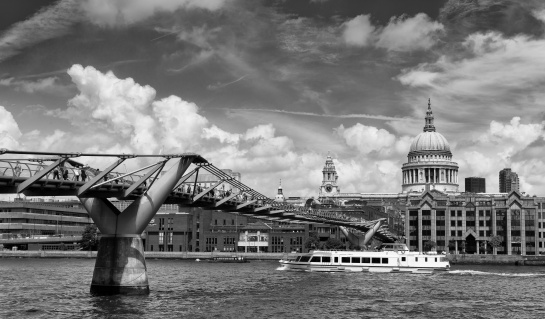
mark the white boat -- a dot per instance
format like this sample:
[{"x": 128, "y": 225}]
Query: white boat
[{"x": 389, "y": 258}]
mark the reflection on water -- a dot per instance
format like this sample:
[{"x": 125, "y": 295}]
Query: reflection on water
[{"x": 59, "y": 288}]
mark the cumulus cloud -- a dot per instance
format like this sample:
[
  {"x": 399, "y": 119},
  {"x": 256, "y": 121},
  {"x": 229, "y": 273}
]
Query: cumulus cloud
[
  {"x": 367, "y": 139},
  {"x": 409, "y": 33},
  {"x": 9, "y": 130},
  {"x": 500, "y": 146},
  {"x": 400, "y": 34},
  {"x": 358, "y": 31}
]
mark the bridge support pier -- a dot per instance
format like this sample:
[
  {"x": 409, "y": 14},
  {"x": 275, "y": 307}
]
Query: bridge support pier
[{"x": 120, "y": 267}]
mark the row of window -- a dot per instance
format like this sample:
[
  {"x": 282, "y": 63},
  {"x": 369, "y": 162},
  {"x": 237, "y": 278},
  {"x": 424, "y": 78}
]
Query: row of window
[{"x": 358, "y": 260}]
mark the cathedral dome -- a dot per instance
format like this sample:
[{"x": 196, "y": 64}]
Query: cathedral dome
[{"x": 430, "y": 141}]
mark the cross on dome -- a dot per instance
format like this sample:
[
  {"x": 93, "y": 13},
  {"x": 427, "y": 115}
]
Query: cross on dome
[{"x": 429, "y": 127}]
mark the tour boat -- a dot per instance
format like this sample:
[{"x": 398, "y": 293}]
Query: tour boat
[{"x": 388, "y": 258}]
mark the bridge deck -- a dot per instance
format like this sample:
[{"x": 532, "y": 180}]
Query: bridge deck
[{"x": 35, "y": 179}]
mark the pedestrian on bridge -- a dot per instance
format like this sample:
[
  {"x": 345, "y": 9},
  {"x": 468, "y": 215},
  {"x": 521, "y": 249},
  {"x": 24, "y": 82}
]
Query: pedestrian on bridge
[
  {"x": 56, "y": 173},
  {"x": 64, "y": 173},
  {"x": 84, "y": 173},
  {"x": 17, "y": 169},
  {"x": 76, "y": 174}
]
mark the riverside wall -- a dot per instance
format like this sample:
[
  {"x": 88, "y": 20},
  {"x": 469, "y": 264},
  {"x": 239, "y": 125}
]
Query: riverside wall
[
  {"x": 468, "y": 259},
  {"x": 148, "y": 255}
]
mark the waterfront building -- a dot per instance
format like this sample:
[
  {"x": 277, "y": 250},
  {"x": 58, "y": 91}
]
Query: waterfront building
[
  {"x": 429, "y": 161},
  {"x": 38, "y": 223},
  {"x": 475, "y": 185},
  {"x": 509, "y": 181},
  {"x": 466, "y": 222}
]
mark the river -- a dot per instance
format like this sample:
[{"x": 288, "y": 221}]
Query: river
[{"x": 59, "y": 288}]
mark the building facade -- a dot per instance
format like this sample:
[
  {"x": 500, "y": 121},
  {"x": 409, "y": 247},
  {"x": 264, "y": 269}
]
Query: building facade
[
  {"x": 429, "y": 161},
  {"x": 475, "y": 185},
  {"x": 467, "y": 222},
  {"x": 509, "y": 181},
  {"x": 47, "y": 224}
]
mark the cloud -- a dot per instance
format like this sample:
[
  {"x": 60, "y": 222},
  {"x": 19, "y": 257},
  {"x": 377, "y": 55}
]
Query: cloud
[
  {"x": 9, "y": 130},
  {"x": 112, "y": 13},
  {"x": 503, "y": 145},
  {"x": 49, "y": 85},
  {"x": 49, "y": 23},
  {"x": 490, "y": 70},
  {"x": 366, "y": 139},
  {"x": 409, "y": 33},
  {"x": 59, "y": 19},
  {"x": 401, "y": 34},
  {"x": 358, "y": 31}
]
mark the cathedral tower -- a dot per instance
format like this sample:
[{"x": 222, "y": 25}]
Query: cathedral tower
[{"x": 329, "y": 181}]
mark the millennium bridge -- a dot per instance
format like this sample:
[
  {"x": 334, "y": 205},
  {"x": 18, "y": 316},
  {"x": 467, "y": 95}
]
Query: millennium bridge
[{"x": 120, "y": 265}]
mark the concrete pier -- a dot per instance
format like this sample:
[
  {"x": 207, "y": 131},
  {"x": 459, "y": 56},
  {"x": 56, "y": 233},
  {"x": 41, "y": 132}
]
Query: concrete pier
[{"x": 120, "y": 267}]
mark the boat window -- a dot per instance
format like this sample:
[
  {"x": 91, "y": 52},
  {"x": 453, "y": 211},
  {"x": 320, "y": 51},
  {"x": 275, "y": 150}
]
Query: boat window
[
  {"x": 426, "y": 259},
  {"x": 298, "y": 258},
  {"x": 345, "y": 260},
  {"x": 304, "y": 259},
  {"x": 375, "y": 260},
  {"x": 336, "y": 259},
  {"x": 435, "y": 259},
  {"x": 384, "y": 260},
  {"x": 356, "y": 260},
  {"x": 366, "y": 260},
  {"x": 326, "y": 259},
  {"x": 315, "y": 259},
  {"x": 415, "y": 258},
  {"x": 403, "y": 259}
]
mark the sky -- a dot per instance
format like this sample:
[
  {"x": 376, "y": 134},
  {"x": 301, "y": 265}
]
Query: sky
[{"x": 269, "y": 88}]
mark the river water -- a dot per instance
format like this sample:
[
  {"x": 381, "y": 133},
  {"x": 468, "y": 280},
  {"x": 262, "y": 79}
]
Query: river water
[{"x": 59, "y": 288}]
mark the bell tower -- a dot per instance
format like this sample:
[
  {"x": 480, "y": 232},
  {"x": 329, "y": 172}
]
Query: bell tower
[{"x": 329, "y": 181}]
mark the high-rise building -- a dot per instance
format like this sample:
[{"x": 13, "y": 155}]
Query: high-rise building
[
  {"x": 509, "y": 181},
  {"x": 475, "y": 185}
]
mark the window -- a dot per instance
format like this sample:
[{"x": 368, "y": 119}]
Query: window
[
  {"x": 403, "y": 258},
  {"x": 345, "y": 260},
  {"x": 326, "y": 259},
  {"x": 415, "y": 258},
  {"x": 336, "y": 259},
  {"x": 356, "y": 260},
  {"x": 315, "y": 259},
  {"x": 385, "y": 260},
  {"x": 375, "y": 260},
  {"x": 305, "y": 259},
  {"x": 366, "y": 260},
  {"x": 426, "y": 259}
]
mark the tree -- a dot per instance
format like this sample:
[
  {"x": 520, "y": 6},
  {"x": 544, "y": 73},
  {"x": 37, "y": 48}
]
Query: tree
[
  {"x": 429, "y": 245},
  {"x": 313, "y": 241},
  {"x": 333, "y": 244},
  {"x": 496, "y": 241},
  {"x": 89, "y": 238},
  {"x": 451, "y": 244}
]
